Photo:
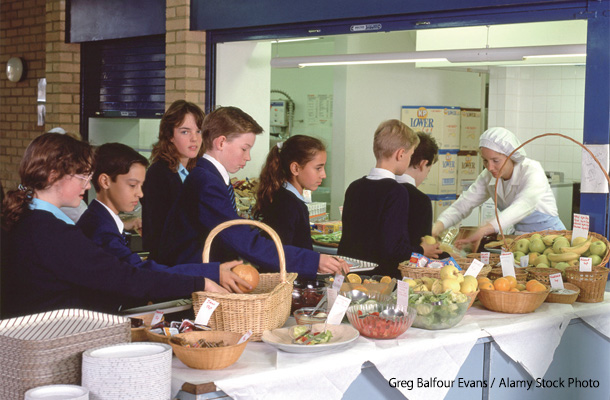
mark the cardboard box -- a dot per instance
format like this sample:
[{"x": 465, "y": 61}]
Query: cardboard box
[
  {"x": 442, "y": 178},
  {"x": 468, "y": 169},
  {"x": 329, "y": 226},
  {"x": 440, "y": 203},
  {"x": 470, "y": 128},
  {"x": 443, "y": 123}
]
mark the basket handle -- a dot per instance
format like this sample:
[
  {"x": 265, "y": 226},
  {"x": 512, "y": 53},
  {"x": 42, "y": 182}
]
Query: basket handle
[
  {"x": 514, "y": 151},
  {"x": 276, "y": 239}
]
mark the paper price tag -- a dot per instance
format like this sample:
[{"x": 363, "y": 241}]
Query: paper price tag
[
  {"x": 158, "y": 317},
  {"x": 580, "y": 226},
  {"x": 485, "y": 255},
  {"x": 335, "y": 316},
  {"x": 524, "y": 261},
  {"x": 474, "y": 268},
  {"x": 245, "y": 337},
  {"x": 508, "y": 264},
  {"x": 331, "y": 296},
  {"x": 556, "y": 281},
  {"x": 585, "y": 264},
  {"x": 205, "y": 312},
  {"x": 506, "y": 253},
  {"x": 339, "y": 278},
  {"x": 402, "y": 291}
]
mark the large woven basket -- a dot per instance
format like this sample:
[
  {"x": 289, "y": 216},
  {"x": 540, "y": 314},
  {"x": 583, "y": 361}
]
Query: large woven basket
[
  {"x": 408, "y": 271},
  {"x": 267, "y": 307},
  {"x": 520, "y": 274},
  {"x": 209, "y": 358},
  {"x": 564, "y": 298},
  {"x": 512, "y": 302},
  {"x": 541, "y": 274},
  {"x": 465, "y": 264},
  {"x": 592, "y": 284}
]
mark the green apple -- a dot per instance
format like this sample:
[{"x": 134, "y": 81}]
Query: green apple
[
  {"x": 517, "y": 256},
  {"x": 522, "y": 245},
  {"x": 598, "y": 248},
  {"x": 541, "y": 260},
  {"x": 547, "y": 251},
  {"x": 537, "y": 246},
  {"x": 542, "y": 265},
  {"x": 535, "y": 236},
  {"x": 595, "y": 259},
  {"x": 562, "y": 265},
  {"x": 559, "y": 243}
]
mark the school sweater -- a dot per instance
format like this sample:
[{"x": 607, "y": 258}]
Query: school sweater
[
  {"x": 420, "y": 215},
  {"x": 376, "y": 224},
  {"x": 289, "y": 217}
]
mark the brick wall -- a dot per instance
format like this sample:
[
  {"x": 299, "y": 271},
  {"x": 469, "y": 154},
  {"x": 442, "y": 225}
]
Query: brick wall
[
  {"x": 184, "y": 56},
  {"x": 35, "y": 31}
]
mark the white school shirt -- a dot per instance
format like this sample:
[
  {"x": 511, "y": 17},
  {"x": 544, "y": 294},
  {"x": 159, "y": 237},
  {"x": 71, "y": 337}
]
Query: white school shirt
[
  {"x": 405, "y": 178},
  {"x": 527, "y": 190},
  {"x": 380, "y": 173},
  {"x": 219, "y": 167}
]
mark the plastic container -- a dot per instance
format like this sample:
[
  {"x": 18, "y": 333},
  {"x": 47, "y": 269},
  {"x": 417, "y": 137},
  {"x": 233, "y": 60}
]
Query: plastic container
[
  {"x": 435, "y": 316},
  {"x": 367, "y": 320},
  {"x": 307, "y": 293}
]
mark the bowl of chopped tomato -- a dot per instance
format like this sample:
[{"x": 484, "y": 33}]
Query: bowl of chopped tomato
[{"x": 371, "y": 321}]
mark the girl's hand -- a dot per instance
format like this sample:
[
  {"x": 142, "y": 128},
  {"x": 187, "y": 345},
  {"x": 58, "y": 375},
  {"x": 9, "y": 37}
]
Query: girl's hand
[
  {"x": 133, "y": 225},
  {"x": 332, "y": 265},
  {"x": 211, "y": 286},
  {"x": 229, "y": 279}
]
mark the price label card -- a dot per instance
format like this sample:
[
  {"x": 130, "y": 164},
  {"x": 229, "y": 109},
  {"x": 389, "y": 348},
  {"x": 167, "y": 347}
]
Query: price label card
[
  {"x": 506, "y": 253},
  {"x": 556, "y": 281},
  {"x": 158, "y": 317},
  {"x": 485, "y": 256},
  {"x": 524, "y": 261},
  {"x": 331, "y": 296},
  {"x": 335, "y": 316},
  {"x": 474, "y": 268},
  {"x": 508, "y": 264},
  {"x": 205, "y": 312},
  {"x": 339, "y": 278},
  {"x": 402, "y": 291},
  {"x": 580, "y": 228},
  {"x": 245, "y": 337},
  {"x": 585, "y": 264}
]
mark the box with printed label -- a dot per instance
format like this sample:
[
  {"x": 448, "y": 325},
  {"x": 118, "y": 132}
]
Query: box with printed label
[
  {"x": 470, "y": 128},
  {"x": 468, "y": 169},
  {"x": 442, "y": 178},
  {"x": 443, "y": 123},
  {"x": 329, "y": 226},
  {"x": 440, "y": 203}
]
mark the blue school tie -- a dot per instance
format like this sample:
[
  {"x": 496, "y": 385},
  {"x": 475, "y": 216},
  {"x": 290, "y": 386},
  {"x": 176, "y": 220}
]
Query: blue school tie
[{"x": 232, "y": 196}]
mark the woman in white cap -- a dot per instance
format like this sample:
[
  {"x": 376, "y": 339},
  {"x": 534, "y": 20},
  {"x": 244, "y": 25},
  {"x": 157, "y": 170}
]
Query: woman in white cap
[{"x": 525, "y": 200}]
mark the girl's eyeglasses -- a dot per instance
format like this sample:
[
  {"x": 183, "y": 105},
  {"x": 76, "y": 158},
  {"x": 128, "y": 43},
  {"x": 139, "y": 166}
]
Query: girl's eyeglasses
[{"x": 86, "y": 178}]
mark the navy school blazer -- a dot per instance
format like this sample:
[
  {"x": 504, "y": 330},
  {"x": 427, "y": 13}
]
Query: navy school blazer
[
  {"x": 203, "y": 204},
  {"x": 99, "y": 226}
]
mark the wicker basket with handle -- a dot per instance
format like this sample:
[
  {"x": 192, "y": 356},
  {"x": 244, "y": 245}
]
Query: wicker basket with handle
[{"x": 266, "y": 307}]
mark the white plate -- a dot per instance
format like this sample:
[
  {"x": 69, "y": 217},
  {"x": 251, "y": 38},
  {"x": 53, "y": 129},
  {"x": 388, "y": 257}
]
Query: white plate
[
  {"x": 131, "y": 350},
  {"x": 51, "y": 392},
  {"x": 342, "y": 335}
]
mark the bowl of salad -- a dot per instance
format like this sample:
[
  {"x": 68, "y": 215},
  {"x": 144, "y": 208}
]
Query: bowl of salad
[
  {"x": 380, "y": 320},
  {"x": 438, "y": 311}
]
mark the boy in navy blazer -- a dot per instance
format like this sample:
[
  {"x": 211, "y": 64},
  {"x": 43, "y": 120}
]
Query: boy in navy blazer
[
  {"x": 207, "y": 200},
  {"x": 118, "y": 179}
]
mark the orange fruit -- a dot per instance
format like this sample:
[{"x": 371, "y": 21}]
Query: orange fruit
[
  {"x": 502, "y": 284},
  {"x": 248, "y": 273},
  {"x": 537, "y": 287},
  {"x": 482, "y": 280},
  {"x": 512, "y": 280},
  {"x": 514, "y": 290},
  {"x": 354, "y": 278},
  {"x": 361, "y": 288},
  {"x": 529, "y": 284},
  {"x": 486, "y": 286},
  {"x": 385, "y": 279}
]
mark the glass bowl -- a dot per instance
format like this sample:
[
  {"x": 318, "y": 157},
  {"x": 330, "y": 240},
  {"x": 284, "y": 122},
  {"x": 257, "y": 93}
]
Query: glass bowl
[
  {"x": 307, "y": 293},
  {"x": 303, "y": 316},
  {"x": 439, "y": 316},
  {"x": 367, "y": 320}
]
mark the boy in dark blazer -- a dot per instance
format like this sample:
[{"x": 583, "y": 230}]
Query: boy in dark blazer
[
  {"x": 118, "y": 179},
  {"x": 375, "y": 210},
  {"x": 208, "y": 200}
]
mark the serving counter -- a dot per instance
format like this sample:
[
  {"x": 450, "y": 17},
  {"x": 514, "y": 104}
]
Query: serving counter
[{"x": 560, "y": 350}]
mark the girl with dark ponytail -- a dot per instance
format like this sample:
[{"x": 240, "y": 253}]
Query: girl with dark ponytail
[{"x": 291, "y": 166}]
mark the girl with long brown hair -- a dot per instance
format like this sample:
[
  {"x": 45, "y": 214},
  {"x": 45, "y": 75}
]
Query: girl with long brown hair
[
  {"x": 173, "y": 156},
  {"x": 291, "y": 166},
  {"x": 49, "y": 260}
]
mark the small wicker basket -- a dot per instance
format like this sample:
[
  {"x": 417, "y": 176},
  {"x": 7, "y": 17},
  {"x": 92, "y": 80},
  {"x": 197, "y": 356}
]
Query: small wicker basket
[
  {"x": 520, "y": 274},
  {"x": 592, "y": 284},
  {"x": 564, "y": 298},
  {"x": 465, "y": 263},
  {"x": 209, "y": 358},
  {"x": 265, "y": 308},
  {"x": 512, "y": 302},
  {"x": 541, "y": 274},
  {"x": 472, "y": 296},
  {"x": 156, "y": 337},
  {"x": 408, "y": 271}
]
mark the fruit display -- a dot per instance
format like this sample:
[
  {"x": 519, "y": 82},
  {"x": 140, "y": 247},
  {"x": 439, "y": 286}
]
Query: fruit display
[
  {"x": 506, "y": 295},
  {"x": 450, "y": 279},
  {"x": 380, "y": 320},
  {"x": 371, "y": 285},
  {"x": 557, "y": 251},
  {"x": 438, "y": 311}
]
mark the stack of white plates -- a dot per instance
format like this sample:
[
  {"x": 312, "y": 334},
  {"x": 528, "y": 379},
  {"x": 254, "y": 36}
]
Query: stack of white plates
[
  {"x": 58, "y": 392},
  {"x": 128, "y": 371}
]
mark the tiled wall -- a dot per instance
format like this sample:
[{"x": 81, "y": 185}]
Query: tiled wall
[{"x": 531, "y": 101}]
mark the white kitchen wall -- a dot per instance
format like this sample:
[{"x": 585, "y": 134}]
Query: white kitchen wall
[{"x": 530, "y": 101}]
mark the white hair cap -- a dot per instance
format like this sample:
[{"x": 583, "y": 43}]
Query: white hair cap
[
  {"x": 58, "y": 129},
  {"x": 502, "y": 141}
]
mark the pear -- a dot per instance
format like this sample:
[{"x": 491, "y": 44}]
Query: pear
[
  {"x": 595, "y": 259},
  {"x": 537, "y": 246},
  {"x": 522, "y": 245},
  {"x": 429, "y": 239},
  {"x": 535, "y": 236},
  {"x": 541, "y": 260},
  {"x": 542, "y": 265}
]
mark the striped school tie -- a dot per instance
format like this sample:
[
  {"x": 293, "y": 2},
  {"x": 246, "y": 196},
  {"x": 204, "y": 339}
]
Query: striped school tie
[{"x": 232, "y": 196}]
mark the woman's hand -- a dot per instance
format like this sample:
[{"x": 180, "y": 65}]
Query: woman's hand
[
  {"x": 484, "y": 230},
  {"x": 437, "y": 228},
  {"x": 332, "y": 265},
  {"x": 211, "y": 286},
  {"x": 229, "y": 279},
  {"x": 431, "y": 250},
  {"x": 133, "y": 225}
]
